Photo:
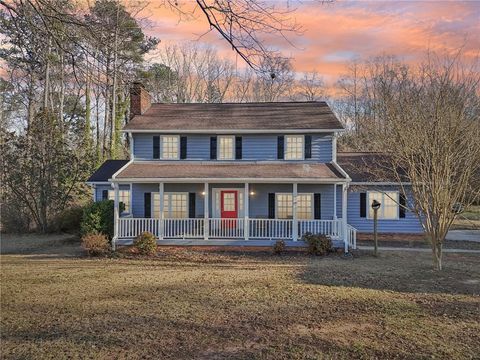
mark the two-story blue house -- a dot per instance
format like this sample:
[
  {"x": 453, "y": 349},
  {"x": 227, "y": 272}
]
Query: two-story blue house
[{"x": 242, "y": 174}]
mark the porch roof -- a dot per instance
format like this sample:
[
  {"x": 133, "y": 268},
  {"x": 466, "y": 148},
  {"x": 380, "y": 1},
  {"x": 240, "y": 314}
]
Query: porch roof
[{"x": 230, "y": 171}]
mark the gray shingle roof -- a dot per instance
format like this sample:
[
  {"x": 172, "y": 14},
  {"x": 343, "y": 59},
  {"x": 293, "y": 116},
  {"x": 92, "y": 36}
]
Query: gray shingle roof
[
  {"x": 106, "y": 170},
  {"x": 236, "y": 116},
  {"x": 366, "y": 166},
  {"x": 192, "y": 170}
]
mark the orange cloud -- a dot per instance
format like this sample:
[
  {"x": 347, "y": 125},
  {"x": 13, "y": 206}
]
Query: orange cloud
[{"x": 339, "y": 32}]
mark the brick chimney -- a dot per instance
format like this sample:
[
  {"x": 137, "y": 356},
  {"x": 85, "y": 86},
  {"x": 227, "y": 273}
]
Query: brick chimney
[{"x": 139, "y": 99}]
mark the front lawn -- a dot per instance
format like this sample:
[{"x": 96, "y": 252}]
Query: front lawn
[{"x": 194, "y": 304}]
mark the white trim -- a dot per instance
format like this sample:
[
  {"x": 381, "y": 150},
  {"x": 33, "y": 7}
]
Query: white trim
[
  {"x": 285, "y": 147},
  {"x": 216, "y": 211},
  {"x": 386, "y": 183},
  {"x": 162, "y": 213},
  {"x": 237, "y": 131},
  {"x": 383, "y": 196},
  {"x": 334, "y": 201},
  {"x": 219, "y": 147},
  {"x": 206, "y": 214},
  {"x": 130, "y": 139},
  {"x": 334, "y": 148},
  {"x": 162, "y": 143},
  {"x": 120, "y": 170},
  {"x": 93, "y": 183},
  {"x": 344, "y": 215},
  {"x": 312, "y": 210},
  {"x": 340, "y": 169},
  {"x": 246, "y": 210}
]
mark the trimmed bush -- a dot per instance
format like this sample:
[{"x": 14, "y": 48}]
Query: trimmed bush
[
  {"x": 279, "y": 247},
  {"x": 98, "y": 218},
  {"x": 318, "y": 244},
  {"x": 146, "y": 243},
  {"x": 95, "y": 244}
]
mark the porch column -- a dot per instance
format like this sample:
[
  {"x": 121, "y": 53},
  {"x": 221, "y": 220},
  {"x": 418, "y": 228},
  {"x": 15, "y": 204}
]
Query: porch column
[
  {"x": 246, "y": 210},
  {"x": 294, "y": 213},
  {"x": 206, "y": 213},
  {"x": 116, "y": 216},
  {"x": 344, "y": 216},
  {"x": 334, "y": 201},
  {"x": 161, "y": 216}
]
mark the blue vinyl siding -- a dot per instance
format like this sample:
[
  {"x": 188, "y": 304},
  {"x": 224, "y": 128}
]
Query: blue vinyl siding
[
  {"x": 254, "y": 147},
  {"x": 409, "y": 224},
  {"x": 99, "y": 191}
]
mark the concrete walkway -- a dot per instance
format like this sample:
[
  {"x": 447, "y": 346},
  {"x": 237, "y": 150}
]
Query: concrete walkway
[
  {"x": 388, "y": 248},
  {"x": 463, "y": 235}
]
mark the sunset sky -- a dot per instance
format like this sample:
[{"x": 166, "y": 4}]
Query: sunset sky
[{"x": 335, "y": 33}]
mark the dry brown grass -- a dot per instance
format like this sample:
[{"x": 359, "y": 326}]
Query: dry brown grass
[{"x": 192, "y": 303}]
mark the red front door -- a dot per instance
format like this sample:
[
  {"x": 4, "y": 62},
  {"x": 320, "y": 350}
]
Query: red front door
[{"x": 228, "y": 204}]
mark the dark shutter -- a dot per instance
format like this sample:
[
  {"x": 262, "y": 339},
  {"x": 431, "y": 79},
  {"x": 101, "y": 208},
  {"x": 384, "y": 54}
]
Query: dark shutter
[
  {"x": 213, "y": 148},
  {"x": 271, "y": 205},
  {"x": 147, "y": 205},
  {"x": 238, "y": 147},
  {"x": 363, "y": 204},
  {"x": 403, "y": 204},
  {"x": 191, "y": 205},
  {"x": 105, "y": 195},
  {"x": 156, "y": 147},
  {"x": 317, "y": 206},
  {"x": 183, "y": 147},
  {"x": 280, "y": 147},
  {"x": 308, "y": 146}
]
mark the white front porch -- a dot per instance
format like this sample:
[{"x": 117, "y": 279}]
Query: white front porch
[
  {"x": 235, "y": 214},
  {"x": 240, "y": 231}
]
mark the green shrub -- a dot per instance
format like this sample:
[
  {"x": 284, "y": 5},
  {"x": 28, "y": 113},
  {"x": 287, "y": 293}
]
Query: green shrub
[
  {"x": 69, "y": 220},
  {"x": 146, "y": 243},
  {"x": 98, "y": 217},
  {"x": 95, "y": 244},
  {"x": 279, "y": 247},
  {"x": 318, "y": 244}
]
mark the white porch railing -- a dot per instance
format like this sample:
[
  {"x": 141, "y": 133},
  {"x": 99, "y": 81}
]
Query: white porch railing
[
  {"x": 351, "y": 234},
  {"x": 226, "y": 228},
  {"x": 331, "y": 228},
  {"x": 129, "y": 228},
  {"x": 270, "y": 228}
]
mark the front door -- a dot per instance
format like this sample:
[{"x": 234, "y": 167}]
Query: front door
[{"x": 229, "y": 204}]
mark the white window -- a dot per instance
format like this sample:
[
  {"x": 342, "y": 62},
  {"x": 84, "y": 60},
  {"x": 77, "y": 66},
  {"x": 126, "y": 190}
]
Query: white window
[
  {"x": 389, "y": 204},
  {"x": 170, "y": 147},
  {"x": 226, "y": 147},
  {"x": 175, "y": 205},
  {"x": 294, "y": 148},
  {"x": 123, "y": 197},
  {"x": 284, "y": 206}
]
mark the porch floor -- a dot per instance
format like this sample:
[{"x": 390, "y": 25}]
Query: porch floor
[{"x": 226, "y": 242}]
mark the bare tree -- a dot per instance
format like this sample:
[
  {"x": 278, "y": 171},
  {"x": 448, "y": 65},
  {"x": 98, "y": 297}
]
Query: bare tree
[
  {"x": 431, "y": 135},
  {"x": 311, "y": 87}
]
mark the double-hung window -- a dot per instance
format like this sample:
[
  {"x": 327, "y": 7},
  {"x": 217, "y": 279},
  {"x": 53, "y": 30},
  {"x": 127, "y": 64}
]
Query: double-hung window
[
  {"x": 175, "y": 205},
  {"x": 389, "y": 204},
  {"x": 284, "y": 206},
  {"x": 123, "y": 197},
  {"x": 226, "y": 147},
  {"x": 294, "y": 147},
  {"x": 170, "y": 147}
]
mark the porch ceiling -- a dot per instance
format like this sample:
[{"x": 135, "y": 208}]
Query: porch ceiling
[{"x": 230, "y": 171}]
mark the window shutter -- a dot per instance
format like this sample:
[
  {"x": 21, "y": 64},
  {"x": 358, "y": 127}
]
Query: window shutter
[
  {"x": 191, "y": 205},
  {"x": 105, "y": 195},
  {"x": 147, "y": 204},
  {"x": 363, "y": 204},
  {"x": 156, "y": 147},
  {"x": 238, "y": 147},
  {"x": 183, "y": 147},
  {"x": 308, "y": 146},
  {"x": 317, "y": 206},
  {"x": 271, "y": 205},
  {"x": 280, "y": 147},
  {"x": 213, "y": 148},
  {"x": 403, "y": 203}
]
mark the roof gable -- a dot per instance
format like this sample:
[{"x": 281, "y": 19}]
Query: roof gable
[{"x": 306, "y": 116}]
